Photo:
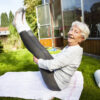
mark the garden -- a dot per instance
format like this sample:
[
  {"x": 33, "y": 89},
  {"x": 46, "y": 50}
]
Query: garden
[
  {"x": 14, "y": 57},
  {"x": 22, "y": 60}
]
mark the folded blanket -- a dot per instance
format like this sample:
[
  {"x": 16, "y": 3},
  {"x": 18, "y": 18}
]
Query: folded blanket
[{"x": 29, "y": 85}]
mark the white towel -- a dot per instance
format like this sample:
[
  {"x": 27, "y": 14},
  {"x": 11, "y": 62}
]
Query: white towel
[{"x": 29, "y": 85}]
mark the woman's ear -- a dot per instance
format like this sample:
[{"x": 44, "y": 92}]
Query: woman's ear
[{"x": 81, "y": 39}]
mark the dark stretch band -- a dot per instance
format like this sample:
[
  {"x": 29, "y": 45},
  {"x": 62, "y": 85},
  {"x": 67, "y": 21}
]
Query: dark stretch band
[{"x": 34, "y": 46}]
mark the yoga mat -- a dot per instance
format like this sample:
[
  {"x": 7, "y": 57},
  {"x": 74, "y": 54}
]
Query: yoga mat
[{"x": 29, "y": 85}]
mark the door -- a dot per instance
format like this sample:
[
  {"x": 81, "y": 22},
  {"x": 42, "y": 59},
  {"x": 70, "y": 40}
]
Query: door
[{"x": 44, "y": 24}]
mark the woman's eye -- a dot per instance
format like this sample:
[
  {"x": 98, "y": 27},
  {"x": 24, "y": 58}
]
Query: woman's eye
[{"x": 76, "y": 31}]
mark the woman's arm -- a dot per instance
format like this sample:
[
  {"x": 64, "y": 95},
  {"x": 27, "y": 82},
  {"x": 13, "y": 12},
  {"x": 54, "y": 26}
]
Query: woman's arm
[{"x": 64, "y": 59}]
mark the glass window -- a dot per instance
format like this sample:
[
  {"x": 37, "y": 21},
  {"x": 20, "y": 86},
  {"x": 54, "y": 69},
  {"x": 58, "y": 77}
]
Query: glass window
[
  {"x": 43, "y": 20},
  {"x": 45, "y": 31},
  {"x": 71, "y": 11},
  {"x": 92, "y": 16},
  {"x": 57, "y": 17},
  {"x": 45, "y": 1},
  {"x": 43, "y": 15},
  {"x": 57, "y": 32}
]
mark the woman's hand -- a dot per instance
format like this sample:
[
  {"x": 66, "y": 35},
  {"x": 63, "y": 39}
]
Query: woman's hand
[{"x": 35, "y": 59}]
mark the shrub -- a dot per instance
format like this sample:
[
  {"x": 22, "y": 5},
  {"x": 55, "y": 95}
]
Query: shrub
[
  {"x": 1, "y": 47},
  {"x": 14, "y": 39}
]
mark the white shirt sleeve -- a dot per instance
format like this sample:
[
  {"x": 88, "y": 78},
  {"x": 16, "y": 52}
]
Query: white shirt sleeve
[{"x": 64, "y": 59}]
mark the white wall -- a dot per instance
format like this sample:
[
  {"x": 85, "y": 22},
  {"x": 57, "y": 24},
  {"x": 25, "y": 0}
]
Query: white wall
[{"x": 4, "y": 33}]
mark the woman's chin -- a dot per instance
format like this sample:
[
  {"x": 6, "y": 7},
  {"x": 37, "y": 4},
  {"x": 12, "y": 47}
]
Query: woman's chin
[
  {"x": 70, "y": 40},
  {"x": 70, "y": 43}
]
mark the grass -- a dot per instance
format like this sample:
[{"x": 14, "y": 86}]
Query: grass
[
  {"x": 88, "y": 67},
  {"x": 22, "y": 60}
]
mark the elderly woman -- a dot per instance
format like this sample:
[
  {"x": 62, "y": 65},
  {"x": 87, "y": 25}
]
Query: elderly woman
[{"x": 58, "y": 69}]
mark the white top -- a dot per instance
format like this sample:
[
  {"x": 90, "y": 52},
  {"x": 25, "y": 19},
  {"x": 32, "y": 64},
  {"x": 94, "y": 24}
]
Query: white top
[{"x": 64, "y": 64}]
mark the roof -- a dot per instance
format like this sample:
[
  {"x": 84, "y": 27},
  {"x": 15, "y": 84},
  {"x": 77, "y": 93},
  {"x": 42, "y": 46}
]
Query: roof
[
  {"x": 3, "y": 28},
  {"x": 4, "y": 31}
]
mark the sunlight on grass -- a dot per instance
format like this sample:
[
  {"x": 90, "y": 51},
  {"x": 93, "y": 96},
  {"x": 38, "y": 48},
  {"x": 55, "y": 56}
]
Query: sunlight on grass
[
  {"x": 88, "y": 66},
  {"x": 20, "y": 60}
]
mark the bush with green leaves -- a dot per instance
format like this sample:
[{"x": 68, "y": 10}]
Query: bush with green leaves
[
  {"x": 31, "y": 13},
  {"x": 1, "y": 47},
  {"x": 14, "y": 38},
  {"x": 4, "y": 20}
]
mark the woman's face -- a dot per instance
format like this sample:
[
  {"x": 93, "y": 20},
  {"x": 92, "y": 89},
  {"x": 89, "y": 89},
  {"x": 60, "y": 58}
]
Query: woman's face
[{"x": 74, "y": 36}]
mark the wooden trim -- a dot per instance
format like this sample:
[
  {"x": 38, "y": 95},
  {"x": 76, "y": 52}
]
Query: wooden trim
[
  {"x": 58, "y": 42},
  {"x": 91, "y": 46}
]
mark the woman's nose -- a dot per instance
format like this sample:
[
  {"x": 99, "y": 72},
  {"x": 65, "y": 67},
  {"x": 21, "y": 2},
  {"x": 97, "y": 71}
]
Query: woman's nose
[{"x": 71, "y": 32}]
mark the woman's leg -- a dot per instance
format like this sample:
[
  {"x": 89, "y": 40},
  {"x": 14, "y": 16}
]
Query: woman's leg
[{"x": 34, "y": 46}]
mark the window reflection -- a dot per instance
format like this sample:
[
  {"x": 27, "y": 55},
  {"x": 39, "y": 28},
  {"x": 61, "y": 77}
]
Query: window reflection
[
  {"x": 45, "y": 31},
  {"x": 92, "y": 16},
  {"x": 71, "y": 12},
  {"x": 43, "y": 18},
  {"x": 43, "y": 15},
  {"x": 57, "y": 18}
]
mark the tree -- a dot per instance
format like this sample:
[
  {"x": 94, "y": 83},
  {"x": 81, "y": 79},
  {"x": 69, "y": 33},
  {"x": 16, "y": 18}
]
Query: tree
[
  {"x": 31, "y": 13},
  {"x": 4, "y": 20},
  {"x": 11, "y": 17}
]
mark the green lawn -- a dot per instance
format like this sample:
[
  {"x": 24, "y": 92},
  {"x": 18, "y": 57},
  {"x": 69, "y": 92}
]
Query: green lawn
[{"x": 22, "y": 60}]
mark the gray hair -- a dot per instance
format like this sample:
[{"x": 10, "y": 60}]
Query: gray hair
[{"x": 83, "y": 27}]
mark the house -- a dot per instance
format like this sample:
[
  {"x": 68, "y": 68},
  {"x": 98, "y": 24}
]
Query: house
[
  {"x": 4, "y": 31},
  {"x": 54, "y": 18}
]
